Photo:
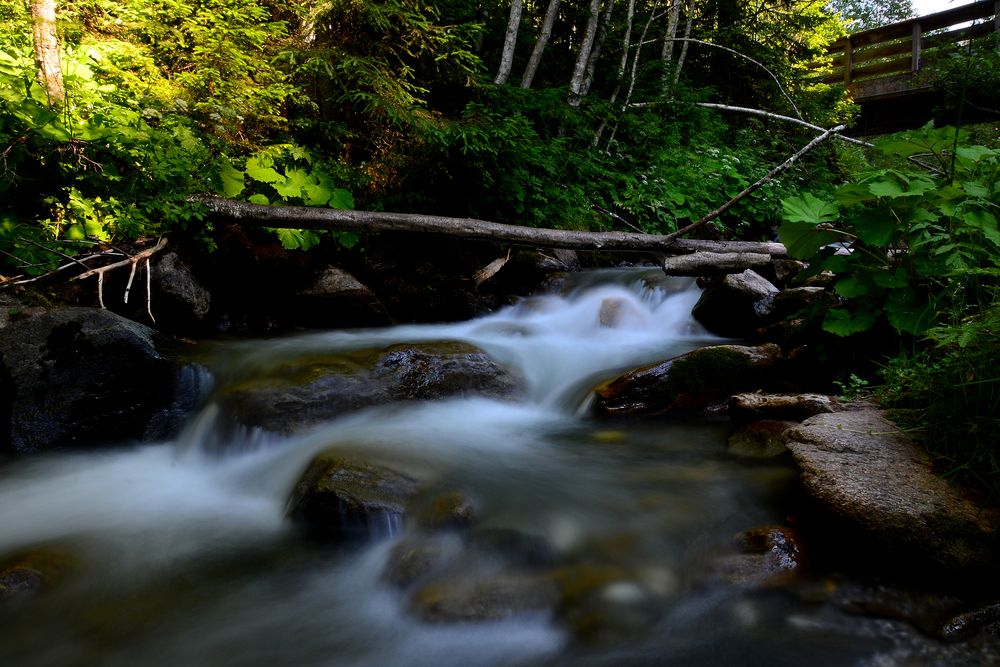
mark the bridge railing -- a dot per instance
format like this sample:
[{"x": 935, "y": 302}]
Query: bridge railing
[{"x": 883, "y": 61}]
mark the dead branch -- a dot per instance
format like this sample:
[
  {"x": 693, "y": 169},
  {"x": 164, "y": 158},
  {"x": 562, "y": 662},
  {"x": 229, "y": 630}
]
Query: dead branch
[
  {"x": 304, "y": 217},
  {"x": 133, "y": 263},
  {"x": 771, "y": 175},
  {"x": 714, "y": 263}
]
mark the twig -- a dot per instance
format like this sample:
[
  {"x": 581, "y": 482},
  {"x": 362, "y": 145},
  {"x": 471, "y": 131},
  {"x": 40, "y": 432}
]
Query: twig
[
  {"x": 617, "y": 218},
  {"x": 776, "y": 116},
  {"x": 768, "y": 177},
  {"x": 746, "y": 57},
  {"x": 135, "y": 258},
  {"x": 75, "y": 262},
  {"x": 134, "y": 262},
  {"x": 131, "y": 275},
  {"x": 149, "y": 290},
  {"x": 52, "y": 250}
]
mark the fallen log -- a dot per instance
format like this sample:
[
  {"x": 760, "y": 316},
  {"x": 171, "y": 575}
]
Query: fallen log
[
  {"x": 714, "y": 263},
  {"x": 305, "y": 217}
]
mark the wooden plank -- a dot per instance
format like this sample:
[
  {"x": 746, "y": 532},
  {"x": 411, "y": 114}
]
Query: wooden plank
[
  {"x": 894, "y": 66},
  {"x": 884, "y": 87},
  {"x": 952, "y": 37},
  {"x": 972, "y": 12},
  {"x": 915, "y": 46},
  {"x": 894, "y": 48}
]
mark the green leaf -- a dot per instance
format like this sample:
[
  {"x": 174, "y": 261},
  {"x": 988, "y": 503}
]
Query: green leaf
[
  {"x": 907, "y": 314},
  {"x": 231, "y": 178},
  {"x": 976, "y": 189},
  {"x": 342, "y": 199},
  {"x": 804, "y": 239},
  {"x": 348, "y": 239},
  {"x": 853, "y": 193},
  {"x": 296, "y": 239},
  {"x": 841, "y": 322},
  {"x": 974, "y": 154},
  {"x": 808, "y": 208},
  {"x": 259, "y": 169},
  {"x": 293, "y": 183},
  {"x": 258, "y": 199},
  {"x": 891, "y": 279},
  {"x": 851, "y": 287},
  {"x": 887, "y": 187},
  {"x": 875, "y": 226},
  {"x": 984, "y": 221}
]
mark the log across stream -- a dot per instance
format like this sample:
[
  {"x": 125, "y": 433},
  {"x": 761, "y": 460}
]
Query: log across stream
[{"x": 566, "y": 540}]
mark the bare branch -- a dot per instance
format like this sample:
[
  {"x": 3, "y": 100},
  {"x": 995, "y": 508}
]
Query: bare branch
[
  {"x": 125, "y": 262},
  {"x": 745, "y": 57},
  {"x": 768, "y": 177}
]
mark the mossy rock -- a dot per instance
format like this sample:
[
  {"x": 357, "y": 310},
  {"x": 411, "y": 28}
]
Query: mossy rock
[
  {"x": 310, "y": 389},
  {"x": 689, "y": 383},
  {"x": 340, "y": 499}
]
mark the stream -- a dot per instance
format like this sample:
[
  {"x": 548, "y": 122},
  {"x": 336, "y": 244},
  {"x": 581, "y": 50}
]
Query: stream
[{"x": 180, "y": 553}]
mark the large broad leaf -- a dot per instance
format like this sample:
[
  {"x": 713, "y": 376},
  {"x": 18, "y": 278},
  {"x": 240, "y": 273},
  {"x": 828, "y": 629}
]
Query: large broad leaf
[
  {"x": 296, "y": 239},
  {"x": 342, "y": 199},
  {"x": 259, "y": 169},
  {"x": 875, "y": 226},
  {"x": 973, "y": 154},
  {"x": 851, "y": 288},
  {"x": 804, "y": 239},
  {"x": 809, "y": 208},
  {"x": 293, "y": 183},
  {"x": 231, "y": 179},
  {"x": 841, "y": 322},
  {"x": 907, "y": 313},
  {"x": 853, "y": 193},
  {"x": 984, "y": 221},
  {"x": 927, "y": 139}
]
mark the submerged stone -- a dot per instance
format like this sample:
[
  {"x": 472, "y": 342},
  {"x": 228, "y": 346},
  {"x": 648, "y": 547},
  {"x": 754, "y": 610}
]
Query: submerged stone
[
  {"x": 761, "y": 439},
  {"x": 340, "y": 499},
  {"x": 484, "y": 599},
  {"x": 691, "y": 382}
]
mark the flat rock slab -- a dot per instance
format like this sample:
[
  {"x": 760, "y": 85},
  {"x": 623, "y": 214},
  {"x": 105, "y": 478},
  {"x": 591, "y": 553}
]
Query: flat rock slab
[{"x": 864, "y": 470}]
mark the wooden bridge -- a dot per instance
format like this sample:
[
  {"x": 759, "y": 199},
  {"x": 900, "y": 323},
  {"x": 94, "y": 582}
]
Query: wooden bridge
[{"x": 882, "y": 67}]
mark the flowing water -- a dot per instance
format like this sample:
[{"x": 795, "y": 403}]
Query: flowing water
[{"x": 180, "y": 554}]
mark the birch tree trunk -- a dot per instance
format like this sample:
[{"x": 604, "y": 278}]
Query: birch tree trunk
[
  {"x": 543, "y": 40},
  {"x": 684, "y": 46},
  {"x": 673, "y": 20},
  {"x": 48, "y": 67},
  {"x": 622, "y": 65},
  {"x": 509, "y": 42},
  {"x": 595, "y": 52},
  {"x": 586, "y": 46}
]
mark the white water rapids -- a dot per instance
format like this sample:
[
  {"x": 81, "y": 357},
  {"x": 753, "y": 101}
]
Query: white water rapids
[{"x": 173, "y": 556}]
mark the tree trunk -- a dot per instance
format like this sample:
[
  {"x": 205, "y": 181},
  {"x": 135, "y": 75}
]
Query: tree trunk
[
  {"x": 47, "y": 62},
  {"x": 586, "y": 46},
  {"x": 509, "y": 42},
  {"x": 622, "y": 64},
  {"x": 543, "y": 40},
  {"x": 684, "y": 47},
  {"x": 595, "y": 52},
  {"x": 673, "y": 20},
  {"x": 305, "y": 217},
  {"x": 714, "y": 263}
]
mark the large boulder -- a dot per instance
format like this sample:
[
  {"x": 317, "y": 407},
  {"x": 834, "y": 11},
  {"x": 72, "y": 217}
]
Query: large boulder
[
  {"x": 864, "y": 471},
  {"x": 304, "y": 392},
  {"x": 691, "y": 382},
  {"x": 179, "y": 301},
  {"x": 736, "y": 305},
  {"x": 80, "y": 377}
]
